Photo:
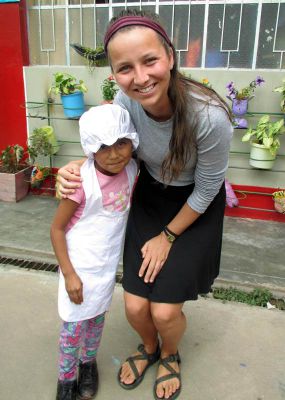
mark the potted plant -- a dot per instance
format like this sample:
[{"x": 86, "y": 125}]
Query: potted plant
[
  {"x": 240, "y": 99},
  {"x": 95, "y": 57},
  {"x": 264, "y": 142},
  {"x": 42, "y": 142},
  {"x": 38, "y": 175},
  {"x": 281, "y": 89},
  {"x": 109, "y": 89},
  {"x": 71, "y": 92},
  {"x": 279, "y": 201},
  {"x": 14, "y": 173}
]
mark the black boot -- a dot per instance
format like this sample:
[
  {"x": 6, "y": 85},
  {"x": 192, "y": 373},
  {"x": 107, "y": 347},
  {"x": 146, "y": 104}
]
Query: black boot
[
  {"x": 66, "y": 390},
  {"x": 87, "y": 380}
]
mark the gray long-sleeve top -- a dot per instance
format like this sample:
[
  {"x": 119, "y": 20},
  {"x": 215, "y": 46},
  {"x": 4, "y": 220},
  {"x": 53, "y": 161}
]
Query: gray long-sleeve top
[{"x": 209, "y": 159}]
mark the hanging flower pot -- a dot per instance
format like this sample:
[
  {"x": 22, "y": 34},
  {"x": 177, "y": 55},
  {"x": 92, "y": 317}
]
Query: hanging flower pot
[
  {"x": 264, "y": 142},
  {"x": 240, "y": 99},
  {"x": 239, "y": 108},
  {"x": 261, "y": 157},
  {"x": 71, "y": 92},
  {"x": 73, "y": 104}
]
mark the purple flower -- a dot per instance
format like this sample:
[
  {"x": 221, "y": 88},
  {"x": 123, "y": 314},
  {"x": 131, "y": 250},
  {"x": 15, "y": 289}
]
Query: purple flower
[
  {"x": 230, "y": 86},
  {"x": 259, "y": 80}
]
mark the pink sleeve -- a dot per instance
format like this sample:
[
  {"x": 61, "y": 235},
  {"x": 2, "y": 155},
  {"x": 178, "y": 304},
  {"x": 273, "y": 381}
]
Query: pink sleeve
[{"x": 78, "y": 196}]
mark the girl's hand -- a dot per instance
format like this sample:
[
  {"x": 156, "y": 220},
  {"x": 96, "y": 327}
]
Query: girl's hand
[
  {"x": 68, "y": 179},
  {"x": 154, "y": 252},
  {"x": 74, "y": 288}
]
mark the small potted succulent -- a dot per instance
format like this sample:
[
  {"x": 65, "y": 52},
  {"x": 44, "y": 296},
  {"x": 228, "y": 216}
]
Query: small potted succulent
[
  {"x": 279, "y": 201},
  {"x": 240, "y": 99},
  {"x": 71, "y": 91},
  {"x": 109, "y": 89},
  {"x": 264, "y": 142},
  {"x": 14, "y": 173}
]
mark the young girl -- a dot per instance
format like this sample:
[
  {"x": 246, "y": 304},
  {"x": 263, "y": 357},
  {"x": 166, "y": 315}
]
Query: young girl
[{"x": 87, "y": 234}]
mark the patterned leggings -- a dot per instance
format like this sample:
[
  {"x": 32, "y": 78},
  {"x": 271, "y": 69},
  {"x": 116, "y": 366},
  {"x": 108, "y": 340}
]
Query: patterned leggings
[{"x": 84, "y": 335}]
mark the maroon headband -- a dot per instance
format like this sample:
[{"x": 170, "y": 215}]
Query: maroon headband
[{"x": 129, "y": 20}]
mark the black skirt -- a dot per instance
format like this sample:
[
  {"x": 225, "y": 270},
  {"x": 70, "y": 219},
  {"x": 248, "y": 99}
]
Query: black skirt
[{"x": 194, "y": 259}]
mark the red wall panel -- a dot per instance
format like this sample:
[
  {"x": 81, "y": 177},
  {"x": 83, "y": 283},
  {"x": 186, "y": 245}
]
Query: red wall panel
[{"x": 13, "y": 55}]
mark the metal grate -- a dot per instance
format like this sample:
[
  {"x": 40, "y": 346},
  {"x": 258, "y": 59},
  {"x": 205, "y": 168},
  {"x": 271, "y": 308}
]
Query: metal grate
[
  {"x": 39, "y": 266},
  {"x": 28, "y": 264}
]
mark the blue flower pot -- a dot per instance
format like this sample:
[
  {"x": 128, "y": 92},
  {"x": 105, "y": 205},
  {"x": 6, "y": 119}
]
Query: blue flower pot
[{"x": 73, "y": 104}]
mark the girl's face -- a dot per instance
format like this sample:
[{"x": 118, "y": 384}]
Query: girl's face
[
  {"x": 142, "y": 68},
  {"x": 111, "y": 160}
]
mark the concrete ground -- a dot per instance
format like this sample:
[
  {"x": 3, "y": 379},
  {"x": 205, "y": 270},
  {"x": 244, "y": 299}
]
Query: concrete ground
[
  {"x": 230, "y": 351},
  {"x": 252, "y": 253}
]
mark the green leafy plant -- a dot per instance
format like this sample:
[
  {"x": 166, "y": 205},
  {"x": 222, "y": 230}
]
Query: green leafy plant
[
  {"x": 12, "y": 159},
  {"x": 281, "y": 89},
  {"x": 42, "y": 142},
  {"x": 266, "y": 133},
  {"x": 109, "y": 88},
  {"x": 280, "y": 194},
  {"x": 257, "y": 297},
  {"x": 95, "y": 57},
  {"x": 66, "y": 84}
]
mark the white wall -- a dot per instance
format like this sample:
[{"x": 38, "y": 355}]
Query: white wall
[{"x": 39, "y": 78}]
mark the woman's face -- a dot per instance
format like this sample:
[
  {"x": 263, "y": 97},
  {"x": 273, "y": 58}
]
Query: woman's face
[{"x": 142, "y": 68}]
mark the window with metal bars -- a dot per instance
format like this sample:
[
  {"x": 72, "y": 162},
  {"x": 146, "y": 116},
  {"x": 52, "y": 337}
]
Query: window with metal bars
[{"x": 248, "y": 34}]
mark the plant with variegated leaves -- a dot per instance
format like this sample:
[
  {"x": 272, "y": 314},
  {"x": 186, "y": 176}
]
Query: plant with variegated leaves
[{"x": 266, "y": 133}]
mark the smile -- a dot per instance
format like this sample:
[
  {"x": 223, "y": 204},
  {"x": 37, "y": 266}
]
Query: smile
[
  {"x": 115, "y": 164},
  {"x": 147, "y": 89}
]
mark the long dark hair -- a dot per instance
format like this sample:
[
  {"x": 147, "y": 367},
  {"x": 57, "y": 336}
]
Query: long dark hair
[{"x": 183, "y": 93}]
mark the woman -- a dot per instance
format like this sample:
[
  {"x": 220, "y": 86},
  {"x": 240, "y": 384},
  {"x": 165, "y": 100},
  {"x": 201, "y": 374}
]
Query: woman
[{"x": 174, "y": 233}]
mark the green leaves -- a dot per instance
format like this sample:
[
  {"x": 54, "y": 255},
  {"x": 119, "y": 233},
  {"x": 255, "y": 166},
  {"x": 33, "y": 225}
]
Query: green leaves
[
  {"x": 266, "y": 133},
  {"x": 11, "y": 158},
  {"x": 257, "y": 297},
  {"x": 66, "y": 84},
  {"x": 109, "y": 88},
  {"x": 42, "y": 142}
]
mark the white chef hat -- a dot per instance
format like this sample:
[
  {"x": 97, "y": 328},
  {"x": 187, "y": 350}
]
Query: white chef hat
[{"x": 105, "y": 125}]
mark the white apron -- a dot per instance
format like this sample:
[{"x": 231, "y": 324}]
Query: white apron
[{"x": 94, "y": 245}]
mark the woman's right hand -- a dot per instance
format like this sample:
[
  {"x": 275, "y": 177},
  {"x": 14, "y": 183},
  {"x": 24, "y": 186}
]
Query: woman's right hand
[
  {"x": 68, "y": 179},
  {"x": 74, "y": 288}
]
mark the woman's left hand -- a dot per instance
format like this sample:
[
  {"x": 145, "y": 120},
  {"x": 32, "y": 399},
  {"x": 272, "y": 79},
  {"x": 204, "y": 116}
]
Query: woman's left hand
[{"x": 154, "y": 252}]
